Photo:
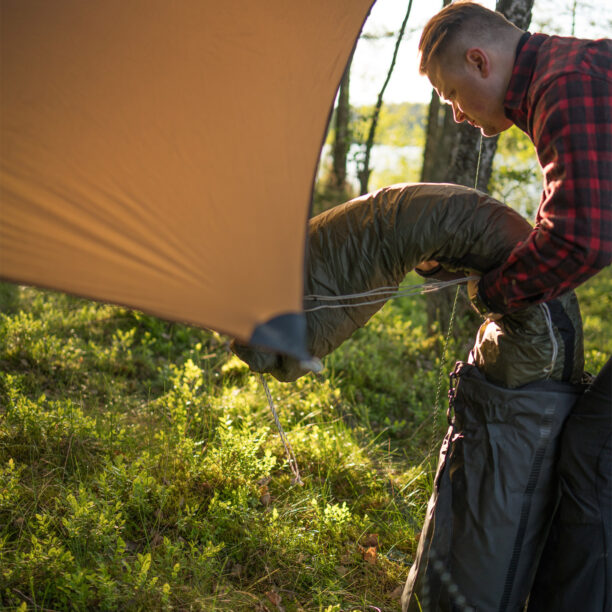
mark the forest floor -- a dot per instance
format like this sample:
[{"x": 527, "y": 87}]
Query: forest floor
[{"x": 140, "y": 467}]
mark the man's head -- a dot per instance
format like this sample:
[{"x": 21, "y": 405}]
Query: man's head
[{"x": 467, "y": 52}]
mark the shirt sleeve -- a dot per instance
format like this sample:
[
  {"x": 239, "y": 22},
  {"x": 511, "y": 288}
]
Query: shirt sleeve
[{"x": 572, "y": 239}]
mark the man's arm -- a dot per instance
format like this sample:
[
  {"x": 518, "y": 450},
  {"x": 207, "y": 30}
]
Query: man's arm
[{"x": 572, "y": 240}]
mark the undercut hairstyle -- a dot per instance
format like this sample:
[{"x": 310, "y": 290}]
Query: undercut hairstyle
[{"x": 459, "y": 18}]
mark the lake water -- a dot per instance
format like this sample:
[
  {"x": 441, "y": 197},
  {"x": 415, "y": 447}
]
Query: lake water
[{"x": 387, "y": 162}]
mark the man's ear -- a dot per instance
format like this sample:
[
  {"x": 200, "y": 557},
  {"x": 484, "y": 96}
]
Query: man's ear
[{"x": 479, "y": 59}]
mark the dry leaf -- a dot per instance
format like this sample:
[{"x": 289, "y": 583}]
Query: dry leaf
[
  {"x": 369, "y": 554},
  {"x": 341, "y": 570}
]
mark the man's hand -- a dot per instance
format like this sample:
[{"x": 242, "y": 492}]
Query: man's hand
[
  {"x": 426, "y": 268},
  {"x": 478, "y": 304}
]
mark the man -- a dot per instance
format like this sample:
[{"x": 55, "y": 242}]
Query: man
[{"x": 559, "y": 91}]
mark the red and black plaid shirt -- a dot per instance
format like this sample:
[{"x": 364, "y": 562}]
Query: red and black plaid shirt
[{"x": 560, "y": 94}]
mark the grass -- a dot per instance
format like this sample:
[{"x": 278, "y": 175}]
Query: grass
[{"x": 140, "y": 468}]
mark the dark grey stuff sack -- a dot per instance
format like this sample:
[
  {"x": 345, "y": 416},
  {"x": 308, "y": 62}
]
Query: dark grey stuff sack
[{"x": 494, "y": 494}]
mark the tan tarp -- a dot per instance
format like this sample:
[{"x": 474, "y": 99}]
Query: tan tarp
[{"x": 161, "y": 154}]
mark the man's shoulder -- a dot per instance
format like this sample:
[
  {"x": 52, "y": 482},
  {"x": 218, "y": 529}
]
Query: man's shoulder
[{"x": 564, "y": 55}]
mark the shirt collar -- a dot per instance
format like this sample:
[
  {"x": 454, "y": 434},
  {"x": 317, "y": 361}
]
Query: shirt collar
[{"x": 524, "y": 64}]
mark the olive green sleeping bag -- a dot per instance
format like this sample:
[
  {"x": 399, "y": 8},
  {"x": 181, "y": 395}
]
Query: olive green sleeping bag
[{"x": 375, "y": 240}]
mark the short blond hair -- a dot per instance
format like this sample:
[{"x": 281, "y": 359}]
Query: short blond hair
[{"x": 462, "y": 16}]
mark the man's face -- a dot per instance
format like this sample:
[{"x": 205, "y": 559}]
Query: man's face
[{"x": 472, "y": 92}]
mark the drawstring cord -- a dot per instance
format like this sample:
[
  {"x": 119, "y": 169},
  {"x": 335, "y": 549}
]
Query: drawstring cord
[{"x": 288, "y": 450}]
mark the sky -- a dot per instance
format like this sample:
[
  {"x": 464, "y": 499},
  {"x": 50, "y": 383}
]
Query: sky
[{"x": 372, "y": 57}]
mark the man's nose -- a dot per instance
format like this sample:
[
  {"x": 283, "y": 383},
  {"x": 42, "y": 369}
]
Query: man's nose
[{"x": 458, "y": 114}]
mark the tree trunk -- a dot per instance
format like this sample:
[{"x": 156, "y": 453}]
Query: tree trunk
[
  {"x": 459, "y": 154},
  {"x": 365, "y": 170},
  {"x": 439, "y": 140},
  {"x": 342, "y": 133}
]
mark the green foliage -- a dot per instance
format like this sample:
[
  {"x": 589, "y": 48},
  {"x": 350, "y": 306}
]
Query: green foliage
[
  {"x": 399, "y": 125},
  {"x": 400, "y": 136},
  {"x": 595, "y": 297},
  {"x": 397, "y": 157},
  {"x": 140, "y": 468},
  {"x": 516, "y": 178}
]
